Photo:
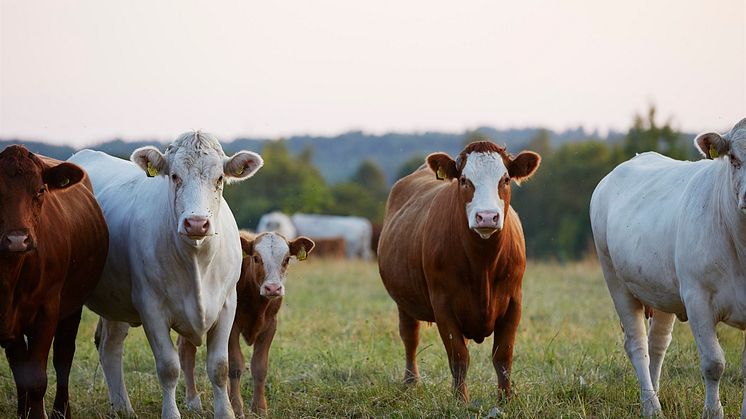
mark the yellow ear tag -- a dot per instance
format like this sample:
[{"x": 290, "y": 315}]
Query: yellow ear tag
[
  {"x": 302, "y": 255},
  {"x": 240, "y": 171},
  {"x": 243, "y": 253},
  {"x": 64, "y": 182},
  {"x": 713, "y": 153},
  {"x": 440, "y": 174},
  {"x": 152, "y": 171}
]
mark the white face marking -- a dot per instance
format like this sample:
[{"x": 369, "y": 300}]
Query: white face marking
[
  {"x": 737, "y": 157},
  {"x": 273, "y": 249},
  {"x": 197, "y": 186},
  {"x": 485, "y": 170}
]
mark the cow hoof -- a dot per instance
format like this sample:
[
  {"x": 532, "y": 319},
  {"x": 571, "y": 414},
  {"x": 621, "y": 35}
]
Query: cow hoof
[
  {"x": 125, "y": 414},
  {"x": 651, "y": 407},
  {"x": 194, "y": 405},
  {"x": 716, "y": 413}
]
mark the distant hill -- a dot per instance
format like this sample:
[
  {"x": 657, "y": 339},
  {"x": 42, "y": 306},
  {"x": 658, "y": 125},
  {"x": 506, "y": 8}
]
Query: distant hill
[{"x": 338, "y": 157}]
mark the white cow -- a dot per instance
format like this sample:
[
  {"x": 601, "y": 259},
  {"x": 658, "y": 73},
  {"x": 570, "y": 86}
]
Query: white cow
[
  {"x": 277, "y": 222},
  {"x": 174, "y": 260},
  {"x": 356, "y": 231},
  {"x": 671, "y": 235}
]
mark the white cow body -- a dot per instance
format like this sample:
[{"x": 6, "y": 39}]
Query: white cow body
[
  {"x": 671, "y": 235},
  {"x": 157, "y": 273},
  {"x": 277, "y": 222},
  {"x": 356, "y": 231}
]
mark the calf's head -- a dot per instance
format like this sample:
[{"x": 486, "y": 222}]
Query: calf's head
[
  {"x": 25, "y": 181},
  {"x": 268, "y": 256},
  {"x": 730, "y": 147},
  {"x": 483, "y": 172},
  {"x": 196, "y": 169}
]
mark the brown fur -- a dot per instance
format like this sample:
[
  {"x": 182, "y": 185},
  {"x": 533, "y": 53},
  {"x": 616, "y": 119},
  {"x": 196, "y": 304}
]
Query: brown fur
[
  {"x": 42, "y": 291},
  {"x": 437, "y": 270},
  {"x": 329, "y": 248}
]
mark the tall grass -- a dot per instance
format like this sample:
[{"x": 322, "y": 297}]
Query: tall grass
[{"x": 337, "y": 353}]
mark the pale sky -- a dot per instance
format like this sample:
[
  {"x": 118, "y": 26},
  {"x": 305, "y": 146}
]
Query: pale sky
[{"x": 80, "y": 72}]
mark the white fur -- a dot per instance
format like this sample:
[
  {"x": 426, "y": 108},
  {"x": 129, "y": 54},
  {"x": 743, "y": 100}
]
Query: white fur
[
  {"x": 273, "y": 249},
  {"x": 156, "y": 276},
  {"x": 670, "y": 235},
  {"x": 356, "y": 231},
  {"x": 485, "y": 170},
  {"x": 279, "y": 222}
]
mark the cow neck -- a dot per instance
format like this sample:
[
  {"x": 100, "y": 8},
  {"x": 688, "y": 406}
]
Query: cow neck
[{"x": 728, "y": 216}]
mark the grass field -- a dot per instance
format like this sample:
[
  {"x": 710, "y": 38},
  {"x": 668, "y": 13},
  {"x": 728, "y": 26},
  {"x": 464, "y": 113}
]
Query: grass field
[{"x": 337, "y": 353}]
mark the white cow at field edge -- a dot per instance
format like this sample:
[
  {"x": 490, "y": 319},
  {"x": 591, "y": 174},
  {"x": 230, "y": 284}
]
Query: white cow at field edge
[
  {"x": 277, "y": 222},
  {"x": 671, "y": 235},
  {"x": 356, "y": 231},
  {"x": 175, "y": 258}
]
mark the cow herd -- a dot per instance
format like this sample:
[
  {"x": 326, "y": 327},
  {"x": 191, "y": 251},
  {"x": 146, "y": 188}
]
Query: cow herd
[{"x": 152, "y": 242}]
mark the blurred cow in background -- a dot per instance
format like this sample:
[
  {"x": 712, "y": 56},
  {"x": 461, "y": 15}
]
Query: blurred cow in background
[
  {"x": 277, "y": 222},
  {"x": 357, "y": 231}
]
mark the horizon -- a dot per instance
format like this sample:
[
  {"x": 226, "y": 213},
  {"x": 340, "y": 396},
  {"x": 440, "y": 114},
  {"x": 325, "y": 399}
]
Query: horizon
[{"x": 84, "y": 72}]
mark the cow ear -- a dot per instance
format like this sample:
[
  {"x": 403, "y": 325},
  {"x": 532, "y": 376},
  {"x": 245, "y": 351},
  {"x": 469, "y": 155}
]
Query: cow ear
[
  {"x": 247, "y": 246},
  {"x": 242, "y": 165},
  {"x": 62, "y": 176},
  {"x": 151, "y": 160},
  {"x": 523, "y": 166},
  {"x": 443, "y": 166},
  {"x": 301, "y": 247},
  {"x": 712, "y": 145}
]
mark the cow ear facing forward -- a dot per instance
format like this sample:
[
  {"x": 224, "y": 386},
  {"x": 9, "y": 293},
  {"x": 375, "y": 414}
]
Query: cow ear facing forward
[
  {"x": 443, "y": 166},
  {"x": 62, "y": 176},
  {"x": 301, "y": 247},
  {"x": 151, "y": 160},
  {"x": 242, "y": 165},
  {"x": 712, "y": 145},
  {"x": 247, "y": 246},
  {"x": 523, "y": 166}
]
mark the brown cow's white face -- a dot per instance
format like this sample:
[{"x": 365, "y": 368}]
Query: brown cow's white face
[
  {"x": 197, "y": 169},
  {"x": 269, "y": 256},
  {"x": 484, "y": 172},
  {"x": 732, "y": 148}
]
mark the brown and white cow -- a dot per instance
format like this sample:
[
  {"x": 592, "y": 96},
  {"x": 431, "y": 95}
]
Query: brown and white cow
[
  {"x": 260, "y": 290},
  {"x": 53, "y": 245},
  {"x": 452, "y": 252}
]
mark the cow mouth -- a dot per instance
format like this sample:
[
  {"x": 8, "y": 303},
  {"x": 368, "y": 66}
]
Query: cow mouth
[{"x": 485, "y": 232}]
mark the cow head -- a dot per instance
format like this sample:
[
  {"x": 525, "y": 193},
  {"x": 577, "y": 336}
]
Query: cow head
[
  {"x": 483, "y": 171},
  {"x": 25, "y": 181},
  {"x": 268, "y": 256},
  {"x": 196, "y": 169},
  {"x": 731, "y": 148}
]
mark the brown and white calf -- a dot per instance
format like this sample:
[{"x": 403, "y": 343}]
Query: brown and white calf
[
  {"x": 452, "y": 252},
  {"x": 260, "y": 290}
]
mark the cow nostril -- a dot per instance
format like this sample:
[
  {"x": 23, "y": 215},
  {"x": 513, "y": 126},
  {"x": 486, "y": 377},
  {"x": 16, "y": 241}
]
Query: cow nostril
[
  {"x": 479, "y": 217},
  {"x": 206, "y": 225},
  {"x": 494, "y": 218}
]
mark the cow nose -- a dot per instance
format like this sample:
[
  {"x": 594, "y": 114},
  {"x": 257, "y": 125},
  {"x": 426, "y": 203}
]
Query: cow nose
[
  {"x": 487, "y": 219},
  {"x": 17, "y": 241},
  {"x": 272, "y": 290},
  {"x": 196, "y": 226}
]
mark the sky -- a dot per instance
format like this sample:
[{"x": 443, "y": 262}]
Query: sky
[{"x": 82, "y": 72}]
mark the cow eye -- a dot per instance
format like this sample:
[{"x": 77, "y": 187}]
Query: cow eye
[
  {"x": 220, "y": 181},
  {"x": 175, "y": 178},
  {"x": 462, "y": 181},
  {"x": 257, "y": 259},
  {"x": 287, "y": 259},
  {"x": 41, "y": 191}
]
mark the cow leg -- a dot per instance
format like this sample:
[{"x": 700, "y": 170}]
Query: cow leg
[
  {"x": 743, "y": 373},
  {"x": 235, "y": 369},
  {"x": 409, "y": 331},
  {"x": 712, "y": 361},
  {"x": 259, "y": 361},
  {"x": 217, "y": 357},
  {"x": 158, "y": 333},
  {"x": 659, "y": 337},
  {"x": 502, "y": 347},
  {"x": 187, "y": 355},
  {"x": 110, "y": 350},
  {"x": 64, "y": 350},
  {"x": 458, "y": 356}
]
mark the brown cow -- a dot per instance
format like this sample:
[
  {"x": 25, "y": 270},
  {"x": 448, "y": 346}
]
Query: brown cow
[
  {"x": 330, "y": 247},
  {"x": 260, "y": 290},
  {"x": 53, "y": 247},
  {"x": 452, "y": 252}
]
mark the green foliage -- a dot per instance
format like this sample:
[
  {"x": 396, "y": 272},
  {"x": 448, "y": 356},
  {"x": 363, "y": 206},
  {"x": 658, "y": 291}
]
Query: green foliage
[
  {"x": 364, "y": 195},
  {"x": 284, "y": 183},
  {"x": 647, "y": 135},
  {"x": 410, "y": 166}
]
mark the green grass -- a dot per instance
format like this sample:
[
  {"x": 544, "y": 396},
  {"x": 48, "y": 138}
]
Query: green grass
[{"x": 337, "y": 353}]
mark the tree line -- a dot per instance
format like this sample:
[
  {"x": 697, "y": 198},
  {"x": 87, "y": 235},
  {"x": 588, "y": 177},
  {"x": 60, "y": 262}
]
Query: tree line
[{"x": 553, "y": 205}]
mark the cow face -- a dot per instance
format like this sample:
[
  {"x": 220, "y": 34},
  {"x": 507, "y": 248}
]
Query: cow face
[
  {"x": 483, "y": 172},
  {"x": 196, "y": 169},
  {"x": 730, "y": 147},
  {"x": 268, "y": 257},
  {"x": 25, "y": 181}
]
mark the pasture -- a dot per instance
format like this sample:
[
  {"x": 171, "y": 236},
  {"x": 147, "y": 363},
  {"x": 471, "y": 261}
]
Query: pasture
[{"x": 337, "y": 353}]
